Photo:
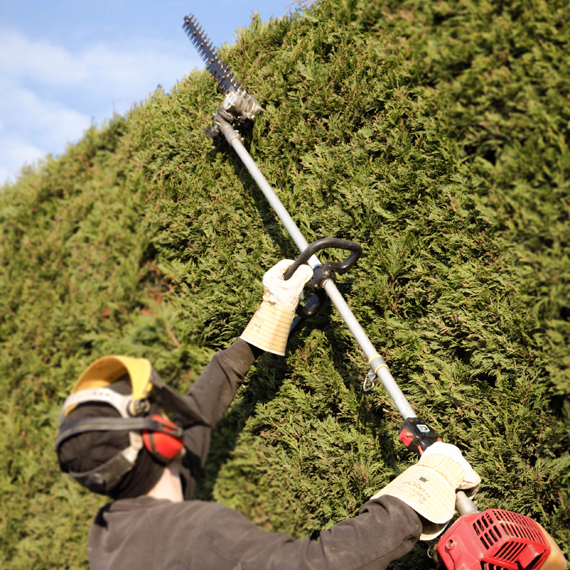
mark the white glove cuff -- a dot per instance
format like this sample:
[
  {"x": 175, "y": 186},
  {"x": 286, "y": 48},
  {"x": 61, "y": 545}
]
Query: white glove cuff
[
  {"x": 269, "y": 327},
  {"x": 426, "y": 491}
]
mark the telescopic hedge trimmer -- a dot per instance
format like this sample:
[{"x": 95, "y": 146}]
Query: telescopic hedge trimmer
[{"x": 495, "y": 539}]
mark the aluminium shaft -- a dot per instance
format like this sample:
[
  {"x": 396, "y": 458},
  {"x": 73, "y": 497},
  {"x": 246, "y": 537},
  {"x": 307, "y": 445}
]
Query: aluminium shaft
[
  {"x": 241, "y": 106},
  {"x": 377, "y": 364},
  {"x": 463, "y": 504}
]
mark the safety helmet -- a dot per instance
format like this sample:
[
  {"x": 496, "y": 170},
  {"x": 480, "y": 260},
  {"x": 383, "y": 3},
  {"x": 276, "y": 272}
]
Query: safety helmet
[{"x": 137, "y": 415}]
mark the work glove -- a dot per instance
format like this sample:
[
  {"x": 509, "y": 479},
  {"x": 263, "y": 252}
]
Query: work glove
[
  {"x": 270, "y": 325},
  {"x": 429, "y": 486}
]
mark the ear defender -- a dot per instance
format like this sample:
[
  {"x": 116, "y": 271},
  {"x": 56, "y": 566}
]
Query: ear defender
[{"x": 164, "y": 443}]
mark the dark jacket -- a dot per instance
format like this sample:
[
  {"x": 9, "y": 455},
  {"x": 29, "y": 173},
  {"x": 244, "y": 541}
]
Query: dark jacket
[{"x": 147, "y": 533}]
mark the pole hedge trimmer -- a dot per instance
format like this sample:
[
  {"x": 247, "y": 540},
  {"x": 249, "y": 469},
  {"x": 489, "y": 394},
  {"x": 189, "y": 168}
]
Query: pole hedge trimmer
[{"x": 495, "y": 539}]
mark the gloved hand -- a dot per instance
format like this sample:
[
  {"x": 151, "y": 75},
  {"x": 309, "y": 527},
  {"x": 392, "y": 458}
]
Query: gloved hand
[
  {"x": 471, "y": 480},
  {"x": 429, "y": 486},
  {"x": 269, "y": 327}
]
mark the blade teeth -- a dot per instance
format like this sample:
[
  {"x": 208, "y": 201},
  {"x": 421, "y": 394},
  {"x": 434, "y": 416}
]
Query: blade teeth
[{"x": 208, "y": 52}]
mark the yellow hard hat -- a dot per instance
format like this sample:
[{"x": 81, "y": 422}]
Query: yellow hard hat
[{"x": 109, "y": 369}]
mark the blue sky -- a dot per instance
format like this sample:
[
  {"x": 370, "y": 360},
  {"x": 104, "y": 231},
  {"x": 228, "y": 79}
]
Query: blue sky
[{"x": 65, "y": 65}]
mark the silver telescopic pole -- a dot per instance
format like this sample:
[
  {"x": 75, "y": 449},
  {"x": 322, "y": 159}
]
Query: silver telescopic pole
[
  {"x": 463, "y": 504},
  {"x": 246, "y": 106},
  {"x": 377, "y": 364}
]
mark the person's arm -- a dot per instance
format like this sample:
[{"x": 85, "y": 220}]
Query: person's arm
[
  {"x": 268, "y": 330},
  {"x": 211, "y": 395},
  {"x": 417, "y": 504},
  {"x": 215, "y": 389},
  {"x": 384, "y": 530}
]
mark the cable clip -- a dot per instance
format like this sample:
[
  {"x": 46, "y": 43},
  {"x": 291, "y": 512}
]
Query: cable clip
[{"x": 369, "y": 381}]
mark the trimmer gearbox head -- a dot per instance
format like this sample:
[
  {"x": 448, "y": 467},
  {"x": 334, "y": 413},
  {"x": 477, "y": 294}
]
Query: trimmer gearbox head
[{"x": 497, "y": 540}]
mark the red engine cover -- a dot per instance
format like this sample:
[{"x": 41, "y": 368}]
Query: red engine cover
[{"x": 493, "y": 540}]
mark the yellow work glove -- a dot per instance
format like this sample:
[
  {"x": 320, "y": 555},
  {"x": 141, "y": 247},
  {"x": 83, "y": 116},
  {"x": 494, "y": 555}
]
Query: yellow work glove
[
  {"x": 429, "y": 486},
  {"x": 269, "y": 326}
]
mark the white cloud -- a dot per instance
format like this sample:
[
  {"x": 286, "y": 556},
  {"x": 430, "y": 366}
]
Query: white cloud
[
  {"x": 126, "y": 67},
  {"x": 27, "y": 114},
  {"x": 32, "y": 126},
  {"x": 15, "y": 154},
  {"x": 50, "y": 94},
  {"x": 23, "y": 57},
  {"x": 21, "y": 153}
]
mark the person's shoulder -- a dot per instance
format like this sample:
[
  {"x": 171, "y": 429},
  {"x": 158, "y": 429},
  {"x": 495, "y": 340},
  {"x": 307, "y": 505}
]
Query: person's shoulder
[
  {"x": 145, "y": 503},
  {"x": 149, "y": 512}
]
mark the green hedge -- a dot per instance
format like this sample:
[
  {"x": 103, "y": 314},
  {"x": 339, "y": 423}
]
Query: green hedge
[{"x": 436, "y": 135}]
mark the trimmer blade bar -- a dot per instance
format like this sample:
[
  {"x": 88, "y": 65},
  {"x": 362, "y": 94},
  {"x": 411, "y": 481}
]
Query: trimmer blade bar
[{"x": 207, "y": 52}]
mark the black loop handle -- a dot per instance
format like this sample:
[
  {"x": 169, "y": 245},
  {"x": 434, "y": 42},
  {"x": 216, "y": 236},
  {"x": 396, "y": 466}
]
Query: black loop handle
[{"x": 326, "y": 243}]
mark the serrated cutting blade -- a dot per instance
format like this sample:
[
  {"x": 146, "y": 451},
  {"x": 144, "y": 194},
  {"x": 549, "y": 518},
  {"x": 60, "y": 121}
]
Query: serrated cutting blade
[{"x": 208, "y": 53}]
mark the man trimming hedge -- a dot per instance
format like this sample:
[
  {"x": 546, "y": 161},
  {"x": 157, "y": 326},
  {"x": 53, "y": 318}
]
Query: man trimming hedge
[{"x": 115, "y": 440}]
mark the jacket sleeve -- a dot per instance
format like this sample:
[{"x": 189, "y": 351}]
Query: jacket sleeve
[
  {"x": 384, "y": 530},
  {"x": 214, "y": 390},
  {"x": 211, "y": 395}
]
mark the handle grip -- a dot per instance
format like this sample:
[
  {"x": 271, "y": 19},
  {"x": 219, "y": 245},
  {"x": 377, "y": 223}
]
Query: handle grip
[
  {"x": 326, "y": 243},
  {"x": 311, "y": 308},
  {"x": 464, "y": 505},
  {"x": 418, "y": 436}
]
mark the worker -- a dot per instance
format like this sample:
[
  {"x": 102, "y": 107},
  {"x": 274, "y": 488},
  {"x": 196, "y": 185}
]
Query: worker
[{"x": 115, "y": 440}]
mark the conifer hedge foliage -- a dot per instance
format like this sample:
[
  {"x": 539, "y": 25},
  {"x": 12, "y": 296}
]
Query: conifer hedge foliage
[{"x": 436, "y": 134}]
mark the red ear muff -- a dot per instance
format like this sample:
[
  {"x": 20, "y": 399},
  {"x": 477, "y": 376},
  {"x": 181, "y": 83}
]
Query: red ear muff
[{"x": 165, "y": 443}]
